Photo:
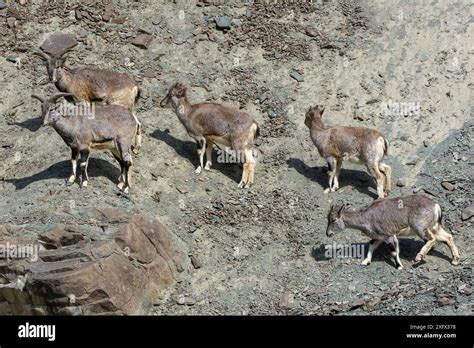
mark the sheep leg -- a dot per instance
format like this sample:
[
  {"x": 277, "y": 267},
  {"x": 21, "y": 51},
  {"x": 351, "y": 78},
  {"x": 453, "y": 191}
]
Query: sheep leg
[
  {"x": 427, "y": 247},
  {"x": 208, "y": 156},
  {"x": 387, "y": 171},
  {"x": 331, "y": 173},
  {"x": 443, "y": 236},
  {"x": 373, "y": 244},
  {"x": 74, "y": 157},
  {"x": 248, "y": 170},
  {"x": 138, "y": 135},
  {"x": 338, "y": 171},
  {"x": 201, "y": 150},
  {"x": 121, "y": 177},
  {"x": 251, "y": 160},
  {"x": 83, "y": 164},
  {"x": 127, "y": 165},
  {"x": 379, "y": 178},
  {"x": 397, "y": 252},
  {"x": 394, "y": 243}
]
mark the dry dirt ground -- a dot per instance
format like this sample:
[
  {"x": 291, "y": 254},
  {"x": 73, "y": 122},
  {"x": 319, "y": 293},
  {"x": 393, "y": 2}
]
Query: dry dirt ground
[{"x": 262, "y": 250}]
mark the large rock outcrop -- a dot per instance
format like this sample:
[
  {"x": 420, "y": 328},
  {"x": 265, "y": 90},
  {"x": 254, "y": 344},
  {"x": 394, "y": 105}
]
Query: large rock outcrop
[{"x": 109, "y": 261}]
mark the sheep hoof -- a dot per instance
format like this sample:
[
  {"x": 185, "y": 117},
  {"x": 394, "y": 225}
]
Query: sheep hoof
[
  {"x": 400, "y": 267},
  {"x": 241, "y": 184},
  {"x": 198, "y": 170},
  {"x": 418, "y": 258},
  {"x": 455, "y": 262},
  {"x": 125, "y": 190},
  {"x": 120, "y": 185},
  {"x": 208, "y": 166},
  {"x": 135, "y": 150},
  {"x": 70, "y": 180},
  {"x": 84, "y": 184},
  {"x": 327, "y": 190},
  {"x": 366, "y": 262}
]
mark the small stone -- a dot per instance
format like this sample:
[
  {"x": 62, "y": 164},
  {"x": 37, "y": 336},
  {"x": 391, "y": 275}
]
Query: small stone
[
  {"x": 78, "y": 14},
  {"x": 402, "y": 182},
  {"x": 58, "y": 43},
  {"x": 361, "y": 117},
  {"x": 445, "y": 301},
  {"x": 357, "y": 304},
  {"x": 119, "y": 20},
  {"x": 223, "y": 22},
  {"x": 404, "y": 138},
  {"x": 142, "y": 40},
  {"x": 3, "y": 5},
  {"x": 465, "y": 289},
  {"x": 311, "y": 32},
  {"x": 195, "y": 262},
  {"x": 12, "y": 58},
  {"x": 271, "y": 113},
  {"x": 185, "y": 300},
  {"x": 468, "y": 213},
  {"x": 11, "y": 21},
  {"x": 373, "y": 101},
  {"x": 156, "y": 21},
  {"x": 296, "y": 75},
  {"x": 448, "y": 186},
  {"x": 182, "y": 190},
  {"x": 149, "y": 74},
  {"x": 284, "y": 300}
]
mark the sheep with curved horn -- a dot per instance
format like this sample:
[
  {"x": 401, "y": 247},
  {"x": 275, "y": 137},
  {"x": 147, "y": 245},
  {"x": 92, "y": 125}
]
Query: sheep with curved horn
[
  {"x": 89, "y": 126},
  {"x": 94, "y": 85}
]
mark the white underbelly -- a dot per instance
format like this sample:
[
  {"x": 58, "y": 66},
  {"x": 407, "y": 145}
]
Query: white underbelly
[
  {"x": 406, "y": 232},
  {"x": 219, "y": 141},
  {"x": 352, "y": 158},
  {"x": 103, "y": 146}
]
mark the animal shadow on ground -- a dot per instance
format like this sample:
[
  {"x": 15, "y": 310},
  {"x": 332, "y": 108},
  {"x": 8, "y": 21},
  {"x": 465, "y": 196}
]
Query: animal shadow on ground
[
  {"x": 32, "y": 124},
  {"x": 61, "y": 170},
  {"x": 188, "y": 149},
  {"x": 360, "y": 180},
  {"x": 409, "y": 248}
]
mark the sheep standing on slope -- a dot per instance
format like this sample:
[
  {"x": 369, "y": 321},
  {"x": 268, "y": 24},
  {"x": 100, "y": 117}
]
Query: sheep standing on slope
[
  {"x": 359, "y": 145},
  {"x": 211, "y": 123},
  {"x": 109, "y": 127}
]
